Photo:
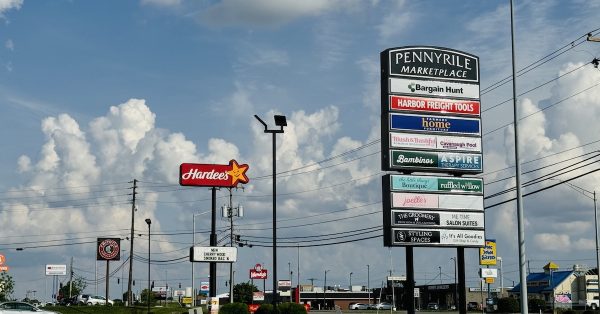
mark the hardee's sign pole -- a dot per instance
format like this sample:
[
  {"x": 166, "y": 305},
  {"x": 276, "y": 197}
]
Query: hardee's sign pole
[{"x": 213, "y": 176}]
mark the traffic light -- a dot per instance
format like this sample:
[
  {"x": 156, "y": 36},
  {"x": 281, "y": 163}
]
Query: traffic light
[{"x": 118, "y": 281}]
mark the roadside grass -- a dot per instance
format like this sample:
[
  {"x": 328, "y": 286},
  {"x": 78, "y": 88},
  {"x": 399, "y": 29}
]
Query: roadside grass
[{"x": 169, "y": 309}]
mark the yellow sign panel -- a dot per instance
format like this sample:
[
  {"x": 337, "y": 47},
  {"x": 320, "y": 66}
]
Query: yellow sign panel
[
  {"x": 489, "y": 280},
  {"x": 186, "y": 300},
  {"x": 487, "y": 254}
]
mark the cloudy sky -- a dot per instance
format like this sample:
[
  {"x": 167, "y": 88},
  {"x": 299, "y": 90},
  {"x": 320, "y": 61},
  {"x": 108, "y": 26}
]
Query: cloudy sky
[{"x": 95, "y": 94}]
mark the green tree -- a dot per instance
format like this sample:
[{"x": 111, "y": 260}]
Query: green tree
[
  {"x": 144, "y": 297},
  {"x": 7, "y": 286},
  {"x": 508, "y": 305},
  {"x": 77, "y": 287},
  {"x": 242, "y": 292},
  {"x": 234, "y": 308},
  {"x": 291, "y": 308}
]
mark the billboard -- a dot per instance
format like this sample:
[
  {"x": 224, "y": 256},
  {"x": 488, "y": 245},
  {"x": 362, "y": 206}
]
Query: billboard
[
  {"x": 436, "y": 161},
  {"x": 212, "y": 175},
  {"x": 487, "y": 254},
  {"x": 436, "y": 124},
  {"x": 56, "y": 270},
  {"x": 435, "y": 105},
  {"x": 108, "y": 249},
  {"x": 433, "y": 63},
  {"x": 438, "y": 237},
  {"x": 434, "y": 142},
  {"x": 445, "y": 185},
  {"x": 216, "y": 254}
]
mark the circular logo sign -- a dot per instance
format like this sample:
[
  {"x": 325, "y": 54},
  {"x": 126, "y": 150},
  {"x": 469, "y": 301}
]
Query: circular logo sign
[
  {"x": 258, "y": 267},
  {"x": 108, "y": 249}
]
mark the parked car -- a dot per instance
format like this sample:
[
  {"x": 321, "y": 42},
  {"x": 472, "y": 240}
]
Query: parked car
[
  {"x": 20, "y": 308},
  {"x": 81, "y": 299},
  {"x": 472, "y": 306},
  {"x": 383, "y": 306},
  {"x": 68, "y": 301},
  {"x": 97, "y": 300},
  {"x": 359, "y": 306},
  {"x": 433, "y": 306}
]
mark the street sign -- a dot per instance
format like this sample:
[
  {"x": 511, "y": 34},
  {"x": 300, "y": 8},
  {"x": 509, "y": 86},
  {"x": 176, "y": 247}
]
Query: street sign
[
  {"x": 217, "y": 254},
  {"x": 56, "y": 270}
]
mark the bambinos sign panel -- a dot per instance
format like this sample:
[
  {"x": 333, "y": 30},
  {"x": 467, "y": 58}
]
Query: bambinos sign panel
[{"x": 213, "y": 175}]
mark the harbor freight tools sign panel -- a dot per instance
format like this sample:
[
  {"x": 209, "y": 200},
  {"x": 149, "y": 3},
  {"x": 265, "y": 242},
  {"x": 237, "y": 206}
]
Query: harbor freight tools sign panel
[
  {"x": 217, "y": 254},
  {"x": 431, "y": 123},
  {"x": 109, "y": 249},
  {"x": 211, "y": 175}
]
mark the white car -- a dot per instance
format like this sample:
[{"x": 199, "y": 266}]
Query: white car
[
  {"x": 97, "y": 300},
  {"x": 383, "y": 306},
  {"x": 20, "y": 308},
  {"x": 359, "y": 306}
]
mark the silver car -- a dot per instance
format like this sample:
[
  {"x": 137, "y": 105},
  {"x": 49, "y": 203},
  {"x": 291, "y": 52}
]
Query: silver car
[
  {"x": 383, "y": 306},
  {"x": 20, "y": 308}
]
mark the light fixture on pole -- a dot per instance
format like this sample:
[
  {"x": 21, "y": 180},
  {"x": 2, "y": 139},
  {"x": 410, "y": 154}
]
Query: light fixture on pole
[
  {"x": 325, "y": 289},
  {"x": 194, "y": 294},
  {"x": 280, "y": 121},
  {"x": 368, "y": 280},
  {"x": 148, "y": 221},
  {"x": 455, "y": 288}
]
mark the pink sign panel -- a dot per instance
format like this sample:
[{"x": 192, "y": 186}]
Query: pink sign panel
[{"x": 414, "y": 200}]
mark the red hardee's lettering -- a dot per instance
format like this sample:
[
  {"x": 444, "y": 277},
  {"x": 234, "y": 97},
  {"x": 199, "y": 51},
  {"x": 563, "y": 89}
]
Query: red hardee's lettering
[{"x": 208, "y": 175}]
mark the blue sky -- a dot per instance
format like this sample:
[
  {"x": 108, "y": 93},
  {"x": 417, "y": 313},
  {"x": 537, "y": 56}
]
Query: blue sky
[{"x": 96, "y": 93}]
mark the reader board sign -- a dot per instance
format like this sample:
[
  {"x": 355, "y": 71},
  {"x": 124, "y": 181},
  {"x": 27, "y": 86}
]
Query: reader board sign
[
  {"x": 258, "y": 296},
  {"x": 412, "y": 218},
  {"x": 436, "y": 124},
  {"x": 437, "y": 201},
  {"x": 56, "y": 270},
  {"x": 436, "y": 184},
  {"x": 436, "y": 161},
  {"x": 488, "y": 272},
  {"x": 414, "y": 87},
  {"x": 216, "y": 254},
  {"x": 433, "y": 62},
  {"x": 435, "y": 142},
  {"x": 435, "y": 237},
  {"x": 487, "y": 254},
  {"x": 435, "y": 105}
]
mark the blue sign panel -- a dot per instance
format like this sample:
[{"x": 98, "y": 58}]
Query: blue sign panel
[
  {"x": 460, "y": 161},
  {"x": 438, "y": 124}
]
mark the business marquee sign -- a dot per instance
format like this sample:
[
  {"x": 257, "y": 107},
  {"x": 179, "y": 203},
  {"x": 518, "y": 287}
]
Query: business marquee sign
[
  {"x": 431, "y": 123},
  {"x": 212, "y": 175}
]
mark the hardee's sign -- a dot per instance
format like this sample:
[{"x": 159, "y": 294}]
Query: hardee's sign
[{"x": 212, "y": 175}]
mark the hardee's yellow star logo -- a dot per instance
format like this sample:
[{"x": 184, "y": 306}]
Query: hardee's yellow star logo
[{"x": 238, "y": 173}]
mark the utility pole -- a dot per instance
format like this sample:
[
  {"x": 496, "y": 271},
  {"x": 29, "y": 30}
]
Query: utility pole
[
  {"x": 130, "y": 279},
  {"x": 71, "y": 279}
]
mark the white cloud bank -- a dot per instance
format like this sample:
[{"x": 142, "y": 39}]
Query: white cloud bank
[{"x": 6, "y": 5}]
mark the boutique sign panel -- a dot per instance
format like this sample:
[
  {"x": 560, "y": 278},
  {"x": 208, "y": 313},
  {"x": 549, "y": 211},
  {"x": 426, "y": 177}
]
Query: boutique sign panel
[{"x": 436, "y": 184}]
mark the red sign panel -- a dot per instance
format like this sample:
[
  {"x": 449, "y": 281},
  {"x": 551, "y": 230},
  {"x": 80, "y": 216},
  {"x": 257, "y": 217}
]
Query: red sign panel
[
  {"x": 253, "y": 307},
  {"x": 437, "y": 105},
  {"x": 262, "y": 274},
  {"x": 212, "y": 175}
]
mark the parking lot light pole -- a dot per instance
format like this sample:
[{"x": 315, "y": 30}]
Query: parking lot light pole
[
  {"x": 325, "y": 289},
  {"x": 281, "y": 122},
  {"x": 368, "y": 280},
  {"x": 148, "y": 221}
]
